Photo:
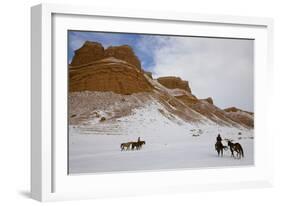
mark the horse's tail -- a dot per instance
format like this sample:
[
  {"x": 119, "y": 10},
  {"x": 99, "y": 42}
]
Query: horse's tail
[{"x": 242, "y": 152}]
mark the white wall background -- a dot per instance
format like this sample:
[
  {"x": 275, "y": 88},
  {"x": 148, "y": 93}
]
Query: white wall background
[{"x": 15, "y": 100}]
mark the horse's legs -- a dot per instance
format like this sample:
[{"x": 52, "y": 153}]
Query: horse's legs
[
  {"x": 236, "y": 154},
  {"x": 232, "y": 154},
  {"x": 239, "y": 154}
]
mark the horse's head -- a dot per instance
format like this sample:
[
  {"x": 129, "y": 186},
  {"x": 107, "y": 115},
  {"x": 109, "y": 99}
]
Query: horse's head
[{"x": 228, "y": 142}]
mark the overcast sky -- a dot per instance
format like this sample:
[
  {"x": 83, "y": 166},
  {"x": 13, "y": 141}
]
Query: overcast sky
[{"x": 215, "y": 67}]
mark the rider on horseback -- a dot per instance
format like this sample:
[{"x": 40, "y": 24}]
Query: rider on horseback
[
  {"x": 219, "y": 139},
  {"x": 219, "y": 146}
]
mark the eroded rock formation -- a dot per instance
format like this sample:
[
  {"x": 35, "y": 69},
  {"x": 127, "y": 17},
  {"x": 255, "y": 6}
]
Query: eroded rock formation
[
  {"x": 174, "y": 83},
  {"x": 108, "y": 74},
  {"x": 89, "y": 52},
  {"x": 123, "y": 52}
]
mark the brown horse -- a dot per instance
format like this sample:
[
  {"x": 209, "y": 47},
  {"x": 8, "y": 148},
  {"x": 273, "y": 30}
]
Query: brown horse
[
  {"x": 236, "y": 147},
  {"x": 126, "y": 145}
]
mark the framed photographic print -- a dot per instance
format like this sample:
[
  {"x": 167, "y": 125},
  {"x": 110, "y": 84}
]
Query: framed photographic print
[{"x": 168, "y": 101}]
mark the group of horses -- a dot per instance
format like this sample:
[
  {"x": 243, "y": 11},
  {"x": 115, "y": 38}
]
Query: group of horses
[
  {"x": 235, "y": 148},
  {"x": 132, "y": 145}
]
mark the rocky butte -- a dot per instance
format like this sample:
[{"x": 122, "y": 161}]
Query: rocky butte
[{"x": 115, "y": 69}]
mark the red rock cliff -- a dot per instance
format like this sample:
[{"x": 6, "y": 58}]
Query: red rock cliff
[
  {"x": 174, "y": 83},
  {"x": 89, "y": 52},
  {"x": 93, "y": 51},
  {"x": 125, "y": 53},
  {"x": 115, "y": 69}
]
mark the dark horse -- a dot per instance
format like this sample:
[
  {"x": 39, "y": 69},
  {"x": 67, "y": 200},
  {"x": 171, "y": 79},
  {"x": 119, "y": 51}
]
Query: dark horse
[
  {"x": 137, "y": 145},
  {"x": 220, "y": 147},
  {"x": 236, "y": 147}
]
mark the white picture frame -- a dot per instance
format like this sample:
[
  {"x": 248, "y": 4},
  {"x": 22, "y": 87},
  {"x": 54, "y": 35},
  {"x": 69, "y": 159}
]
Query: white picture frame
[{"x": 49, "y": 178}]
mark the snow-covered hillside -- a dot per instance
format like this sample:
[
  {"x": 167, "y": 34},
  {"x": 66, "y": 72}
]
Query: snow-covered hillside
[{"x": 171, "y": 143}]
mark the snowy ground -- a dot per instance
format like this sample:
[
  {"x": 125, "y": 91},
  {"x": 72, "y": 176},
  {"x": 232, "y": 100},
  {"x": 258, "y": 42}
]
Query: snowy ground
[{"x": 170, "y": 144}]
